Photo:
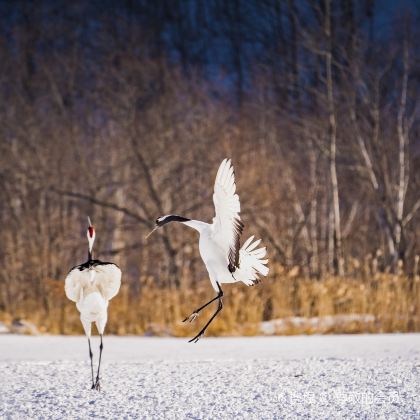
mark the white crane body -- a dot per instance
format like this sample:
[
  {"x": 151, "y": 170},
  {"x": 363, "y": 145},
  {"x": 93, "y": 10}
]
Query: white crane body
[{"x": 91, "y": 286}]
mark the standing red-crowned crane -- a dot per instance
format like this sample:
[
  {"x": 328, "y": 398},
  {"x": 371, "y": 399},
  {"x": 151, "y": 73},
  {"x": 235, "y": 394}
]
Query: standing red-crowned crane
[
  {"x": 219, "y": 243},
  {"x": 92, "y": 285}
]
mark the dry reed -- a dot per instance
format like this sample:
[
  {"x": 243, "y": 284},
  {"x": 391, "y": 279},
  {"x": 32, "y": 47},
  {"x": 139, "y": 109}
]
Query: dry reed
[{"x": 393, "y": 301}]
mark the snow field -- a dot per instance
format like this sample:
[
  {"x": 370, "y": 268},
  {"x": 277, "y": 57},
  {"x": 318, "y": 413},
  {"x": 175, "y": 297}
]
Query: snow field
[{"x": 365, "y": 376}]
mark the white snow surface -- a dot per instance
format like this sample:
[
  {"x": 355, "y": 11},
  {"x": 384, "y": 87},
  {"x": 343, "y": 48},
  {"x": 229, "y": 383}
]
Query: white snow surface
[{"x": 322, "y": 377}]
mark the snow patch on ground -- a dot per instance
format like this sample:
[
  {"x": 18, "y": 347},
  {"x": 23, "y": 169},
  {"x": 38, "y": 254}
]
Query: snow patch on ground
[
  {"x": 366, "y": 376},
  {"x": 344, "y": 323}
]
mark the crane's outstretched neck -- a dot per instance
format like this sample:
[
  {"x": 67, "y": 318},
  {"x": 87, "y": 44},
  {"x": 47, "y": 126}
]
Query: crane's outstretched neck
[
  {"x": 195, "y": 224},
  {"x": 90, "y": 251}
]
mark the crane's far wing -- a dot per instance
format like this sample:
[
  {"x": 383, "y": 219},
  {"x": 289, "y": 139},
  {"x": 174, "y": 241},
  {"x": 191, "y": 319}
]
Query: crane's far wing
[
  {"x": 108, "y": 279},
  {"x": 227, "y": 224},
  {"x": 252, "y": 262},
  {"x": 74, "y": 283}
]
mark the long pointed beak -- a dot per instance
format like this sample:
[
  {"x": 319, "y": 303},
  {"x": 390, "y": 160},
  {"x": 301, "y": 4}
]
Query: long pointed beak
[
  {"x": 90, "y": 223},
  {"x": 147, "y": 236}
]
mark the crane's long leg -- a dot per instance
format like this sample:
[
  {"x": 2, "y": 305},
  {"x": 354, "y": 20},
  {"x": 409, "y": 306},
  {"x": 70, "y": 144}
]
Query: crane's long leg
[
  {"x": 97, "y": 384},
  {"x": 219, "y": 308},
  {"x": 194, "y": 315},
  {"x": 91, "y": 363}
]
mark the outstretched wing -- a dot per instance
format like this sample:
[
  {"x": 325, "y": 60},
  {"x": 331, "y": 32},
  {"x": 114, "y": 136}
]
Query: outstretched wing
[
  {"x": 74, "y": 283},
  {"x": 107, "y": 279},
  {"x": 252, "y": 262},
  {"x": 227, "y": 224}
]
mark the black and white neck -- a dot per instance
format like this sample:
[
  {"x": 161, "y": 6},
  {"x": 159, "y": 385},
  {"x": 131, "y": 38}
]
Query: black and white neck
[{"x": 195, "y": 224}]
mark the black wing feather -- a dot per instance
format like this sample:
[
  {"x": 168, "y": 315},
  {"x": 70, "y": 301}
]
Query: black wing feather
[{"x": 233, "y": 256}]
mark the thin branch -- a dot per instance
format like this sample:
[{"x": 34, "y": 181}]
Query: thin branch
[{"x": 105, "y": 204}]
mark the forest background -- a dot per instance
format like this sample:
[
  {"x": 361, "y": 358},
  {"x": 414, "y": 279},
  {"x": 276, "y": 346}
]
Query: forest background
[{"x": 123, "y": 111}]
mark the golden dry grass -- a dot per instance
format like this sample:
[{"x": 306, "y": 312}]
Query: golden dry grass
[{"x": 393, "y": 300}]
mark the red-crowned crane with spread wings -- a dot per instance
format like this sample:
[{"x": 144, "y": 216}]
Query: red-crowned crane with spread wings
[
  {"x": 226, "y": 261},
  {"x": 91, "y": 286}
]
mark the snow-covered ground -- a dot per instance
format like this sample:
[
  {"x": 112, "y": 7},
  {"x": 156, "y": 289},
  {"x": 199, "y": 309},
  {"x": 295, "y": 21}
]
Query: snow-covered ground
[{"x": 358, "y": 376}]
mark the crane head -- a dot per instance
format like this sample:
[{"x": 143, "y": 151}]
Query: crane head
[
  {"x": 160, "y": 221},
  {"x": 90, "y": 234},
  {"x": 163, "y": 220}
]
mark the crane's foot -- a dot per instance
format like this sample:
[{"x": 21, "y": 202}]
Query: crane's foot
[
  {"x": 97, "y": 385},
  {"x": 197, "y": 337},
  {"x": 191, "y": 318}
]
